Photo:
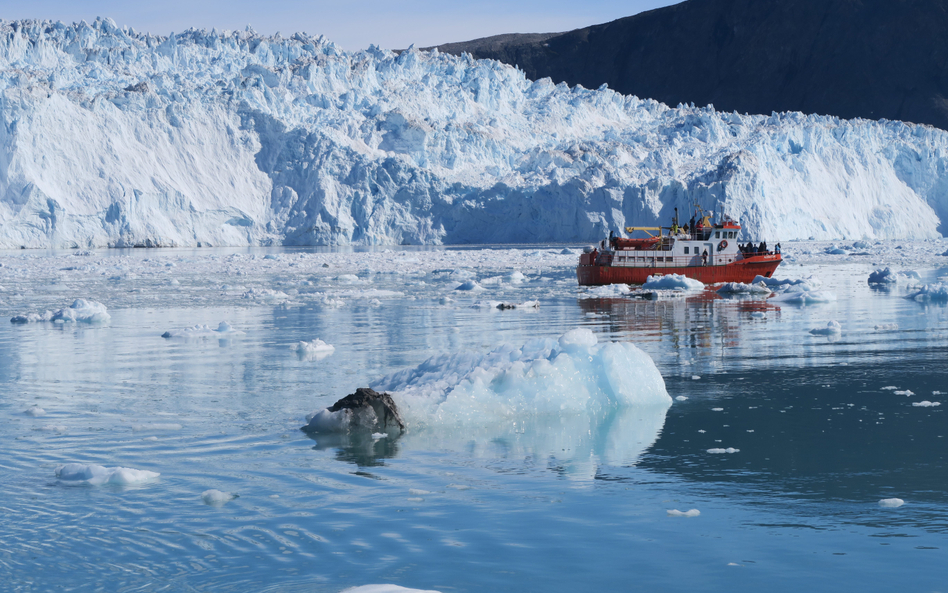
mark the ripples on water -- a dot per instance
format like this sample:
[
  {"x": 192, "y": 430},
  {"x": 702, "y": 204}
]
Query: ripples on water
[{"x": 549, "y": 504}]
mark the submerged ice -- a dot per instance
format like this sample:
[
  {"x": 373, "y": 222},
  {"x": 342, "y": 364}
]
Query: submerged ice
[{"x": 233, "y": 138}]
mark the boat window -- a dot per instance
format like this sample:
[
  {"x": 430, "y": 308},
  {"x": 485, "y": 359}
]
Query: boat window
[
  {"x": 686, "y": 250},
  {"x": 717, "y": 235}
]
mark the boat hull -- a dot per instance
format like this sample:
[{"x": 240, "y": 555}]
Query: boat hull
[{"x": 745, "y": 270}]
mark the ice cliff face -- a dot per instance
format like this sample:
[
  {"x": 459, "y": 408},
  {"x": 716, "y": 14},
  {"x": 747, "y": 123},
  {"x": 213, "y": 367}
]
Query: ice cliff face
[{"x": 110, "y": 137}]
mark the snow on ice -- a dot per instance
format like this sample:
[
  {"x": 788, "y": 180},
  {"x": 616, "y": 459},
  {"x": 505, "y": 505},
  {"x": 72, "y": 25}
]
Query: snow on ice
[{"x": 211, "y": 139}]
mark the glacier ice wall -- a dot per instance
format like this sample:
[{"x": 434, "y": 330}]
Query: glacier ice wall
[{"x": 112, "y": 137}]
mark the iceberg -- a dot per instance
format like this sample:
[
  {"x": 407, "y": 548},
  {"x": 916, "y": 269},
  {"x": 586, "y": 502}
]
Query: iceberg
[{"x": 115, "y": 138}]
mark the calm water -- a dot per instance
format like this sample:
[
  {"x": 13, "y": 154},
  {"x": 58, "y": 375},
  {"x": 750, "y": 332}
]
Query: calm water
[{"x": 551, "y": 506}]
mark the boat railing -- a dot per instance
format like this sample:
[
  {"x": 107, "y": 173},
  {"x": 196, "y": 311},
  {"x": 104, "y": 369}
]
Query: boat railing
[{"x": 657, "y": 259}]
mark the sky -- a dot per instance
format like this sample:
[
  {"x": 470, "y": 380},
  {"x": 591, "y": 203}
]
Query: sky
[{"x": 352, "y": 24}]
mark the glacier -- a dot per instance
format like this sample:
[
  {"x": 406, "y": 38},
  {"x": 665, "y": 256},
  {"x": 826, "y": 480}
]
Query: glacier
[{"x": 114, "y": 138}]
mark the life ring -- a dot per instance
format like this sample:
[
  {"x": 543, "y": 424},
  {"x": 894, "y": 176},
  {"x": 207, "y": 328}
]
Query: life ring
[{"x": 722, "y": 245}]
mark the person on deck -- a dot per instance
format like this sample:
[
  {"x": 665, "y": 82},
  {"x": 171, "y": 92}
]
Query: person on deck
[{"x": 704, "y": 258}]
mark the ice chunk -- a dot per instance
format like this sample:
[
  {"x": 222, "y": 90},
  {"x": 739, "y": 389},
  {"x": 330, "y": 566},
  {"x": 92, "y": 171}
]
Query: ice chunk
[
  {"x": 605, "y": 291},
  {"x": 385, "y": 589},
  {"x": 79, "y": 473},
  {"x": 470, "y": 285},
  {"x": 832, "y": 328},
  {"x": 315, "y": 350},
  {"x": 719, "y": 451},
  {"x": 931, "y": 292},
  {"x": 888, "y": 277},
  {"x": 891, "y": 503},
  {"x": 35, "y": 411},
  {"x": 681, "y": 398},
  {"x": 677, "y": 513},
  {"x": 740, "y": 288},
  {"x": 82, "y": 311},
  {"x": 216, "y": 498},
  {"x": 925, "y": 404},
  {"x": 544, "y": 377},
  {"x": 906, "y": 392},
  {"x": 672, "y": 282},
  {"x": 203, "y": 331}
]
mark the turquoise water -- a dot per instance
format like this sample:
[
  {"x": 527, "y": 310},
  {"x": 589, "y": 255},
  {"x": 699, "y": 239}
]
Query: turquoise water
[{"x": 545, "y": 506}]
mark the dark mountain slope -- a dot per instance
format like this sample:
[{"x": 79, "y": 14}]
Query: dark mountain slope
[{"x": 852, "y": 58}]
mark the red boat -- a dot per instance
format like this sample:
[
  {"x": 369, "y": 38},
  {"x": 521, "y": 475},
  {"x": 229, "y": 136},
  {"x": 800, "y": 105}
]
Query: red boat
[{"x": 705, "y": 251}]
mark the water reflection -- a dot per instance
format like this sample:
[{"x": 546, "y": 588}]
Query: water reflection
[{"x": 578, "y": 446}]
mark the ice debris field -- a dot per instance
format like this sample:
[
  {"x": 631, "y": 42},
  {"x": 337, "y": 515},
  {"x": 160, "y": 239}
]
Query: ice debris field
[{"x": 118, "y": 138}]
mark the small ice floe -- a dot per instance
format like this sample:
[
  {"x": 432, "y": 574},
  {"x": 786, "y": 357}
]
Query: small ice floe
[
  {"x": 925, "y": 404},
  {"x": 887, "y": 277},
  {"x": 60, "y": 428},
  {"x": 469, "y": 285},
  {"x": 719, "y": 451},
  {"x": 333, "y": 303},
  {"x": 905, "y": 392},
  {"x": 888, "y": 388},
  {"x": 677, "y": 513},
  {"x": 886, "y": 327},
  {"x": 386, "y": 589},
  {"x": 681, "y": 398},
  {"x": 931, "y": 292},
  {"x": 80, "y": 473},
  {"x": 417, "y": 492},
  {"x": 740, "y": 288},
  {"x": 379, "y": 435},
  {"x": 833, "y": 328},
  {"x": 501, "y": 306},
  {"x": 516, "y": 277},
  {"x": 201, "y": 331},
  {"x": 80, "y": 311},
  {"x": 695, "y": 377},
  {"x": 35, "y": 411},
  {"x": 891, "y": 503},
  {"x": 216, "y": 498},
  {"x": 365, "y": 409},
  {"x": 835, "y": 250},
  {"x": 312, "y": 351},
  {"x": 717, "y": 409},
  {"x": 605, "y": 291},
  {"x": 348, "y": 279},
  {"x": 672, "y": 282},
  {"x": 266, "y": 295}
]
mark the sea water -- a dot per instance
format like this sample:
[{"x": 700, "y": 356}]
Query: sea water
[{"x": 789, "y": 460}]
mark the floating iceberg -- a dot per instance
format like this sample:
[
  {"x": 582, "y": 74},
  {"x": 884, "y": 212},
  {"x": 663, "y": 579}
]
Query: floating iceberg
[
  {"x": 80, "y": 311},
  {"x": 672, "y": 282},
  {"x": 79, "y": 473},
  {"x": 677, "y": 513},
  {"x": 740, "y": 288},
  {"x": 832, "y": 328},
  {"x": 315, "y": 350},
  {"x": 931, "y": 292},
  {"x": 202, "y": 331},
  {"x": 891, "y": 503},
  {"x": 546, "y": 377},
  {"x": 888, "y": 277},
  {"x": 216, "y": 498}
]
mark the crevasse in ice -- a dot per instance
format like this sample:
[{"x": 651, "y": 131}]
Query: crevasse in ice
[{"x": 112, "y": 137}]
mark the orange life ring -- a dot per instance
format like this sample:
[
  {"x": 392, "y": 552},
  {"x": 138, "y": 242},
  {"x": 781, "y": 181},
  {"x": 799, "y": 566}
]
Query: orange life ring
[{"x": 722, "y": 245}]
